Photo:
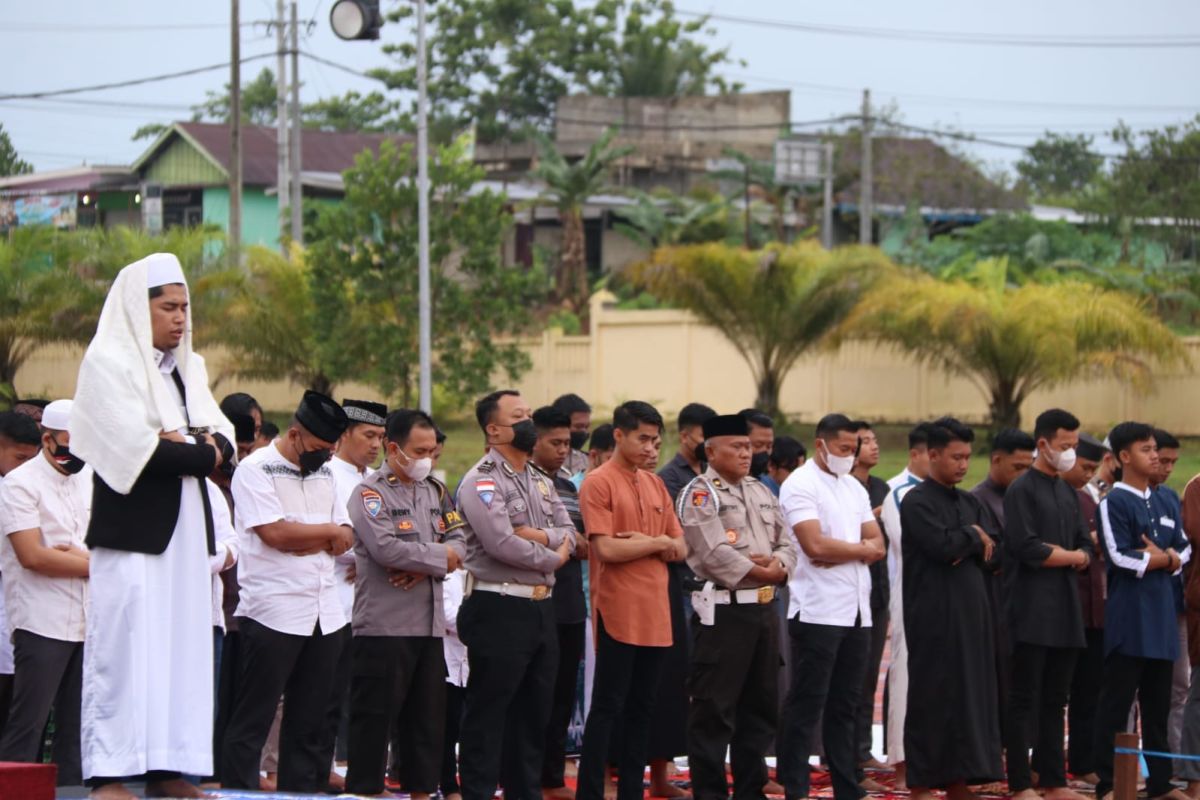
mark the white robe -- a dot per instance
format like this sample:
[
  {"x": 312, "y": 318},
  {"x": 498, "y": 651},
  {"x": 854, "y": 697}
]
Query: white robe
[
  {"x": 897, "y": 676},
  {"x": 148, "y": 663}
]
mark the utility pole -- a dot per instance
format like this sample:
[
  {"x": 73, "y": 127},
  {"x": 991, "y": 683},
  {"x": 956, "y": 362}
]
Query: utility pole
[
  {"x": 235, "y": 135},
  {"x": 827, "y": 210},
  {"x": 294, "y": 136},
  {"x": 281, "y": 137},
  {"x": 866, "y": 201},
  {"x": 746, "y": 202},
  {"x": 424, "y": 304}
]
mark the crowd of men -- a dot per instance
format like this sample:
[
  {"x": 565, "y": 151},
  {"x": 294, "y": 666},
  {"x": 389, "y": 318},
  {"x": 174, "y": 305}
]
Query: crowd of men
[{"x": 194, "y": 597}]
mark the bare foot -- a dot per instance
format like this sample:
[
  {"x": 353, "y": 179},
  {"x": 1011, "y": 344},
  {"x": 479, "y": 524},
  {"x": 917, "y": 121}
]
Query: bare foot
[
  {"x": 269, "y": 783},
  {"x": 1091, "y": 778},
  {"x": 901, "y": 782},
  {"x": 570, "y": 769},
  {"x": 176, "y": 787},
  {"x": 872, "y": 785},
  {"x": 1174, "y": 794},
  {"x": 454, "y": 796},
  {"x": 338, "y": 784},
  {"x": 1062, "y": 793},
  {"x": 112, "y": 791},
  {"x": 1026, "y": 794},
  {"x": 668, "y": 790},
  {"x": 874, "y": 763},
  {"x": 1193, "y": 790},
  {"x": 959, "y": 791},
  {"x": 773, "y": 787},
  {"x": 558, "y": 793}
]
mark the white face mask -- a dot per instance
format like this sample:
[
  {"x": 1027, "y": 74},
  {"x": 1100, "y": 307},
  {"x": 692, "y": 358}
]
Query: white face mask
[
  {"x": 417, "y": 469},
  {"x": 838, "y": 465},
  {"x": 1061, "y": 460}
]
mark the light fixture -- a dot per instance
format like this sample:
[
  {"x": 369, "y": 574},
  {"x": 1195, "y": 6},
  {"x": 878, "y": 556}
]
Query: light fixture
[
  {"x": 87, "y": 198},
  {"x": 356, "y": 19},
  {"x": 137, "y": 198}
]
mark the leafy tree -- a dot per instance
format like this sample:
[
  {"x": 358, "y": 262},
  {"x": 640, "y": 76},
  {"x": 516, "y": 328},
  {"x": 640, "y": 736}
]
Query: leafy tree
[
  {"x": 774, "y": 304},
  {"x": 568, "y": 186},
  {"x": 352, "y": 111},
  {"x": 270, "y": 322},
  {"x": 259, "y": 101},
  {"x": 1011, "y": 341},
  {"x": 1059, "y": 165},
  {"x": 363, "y": 255},
  {"x": 502, "y": 64},
  {"x": 654, "y": 220},
  {"x": 10, "y": 162}
]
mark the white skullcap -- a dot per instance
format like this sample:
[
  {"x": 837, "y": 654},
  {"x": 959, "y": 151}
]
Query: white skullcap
[
  {"x": 57, "y": 416},
  {"x": 163, "y": 268}
]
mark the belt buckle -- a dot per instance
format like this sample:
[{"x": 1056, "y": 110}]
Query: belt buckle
[
  {"x": 540, "y": 592},
  {"x": 766, "y": 594}
]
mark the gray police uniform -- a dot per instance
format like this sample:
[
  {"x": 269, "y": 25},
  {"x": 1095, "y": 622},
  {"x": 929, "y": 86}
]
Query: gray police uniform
[
  {"x": 507, "y": 625},
  {"x": 399, "y": 667},
  {"x": 733, "y": 681}
]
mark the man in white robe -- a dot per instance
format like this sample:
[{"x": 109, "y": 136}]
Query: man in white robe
[{"x": 146, "y": 422}]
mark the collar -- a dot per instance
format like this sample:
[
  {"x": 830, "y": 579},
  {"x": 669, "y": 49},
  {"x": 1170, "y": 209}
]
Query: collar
[
  {"x": 1145, "y": 495},
  {"x": 165, "y": 359},
  {"x": 714, "y": 477},
  {"x": 346, "y": 465},
  {"x": 49, "y": 469},
  {"x": 506, "y": 465}
]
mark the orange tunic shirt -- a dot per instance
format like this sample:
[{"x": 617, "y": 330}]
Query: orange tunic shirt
[{"x": 631, "y": 597}]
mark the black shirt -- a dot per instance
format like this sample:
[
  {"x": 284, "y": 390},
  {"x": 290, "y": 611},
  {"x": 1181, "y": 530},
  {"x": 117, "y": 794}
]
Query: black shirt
[
  {"x": 1043, "y": 602},
  {"x": 676, "y": 475},
  {"x": 569, "y": 605},
  {"x": 877, "y": 490}
]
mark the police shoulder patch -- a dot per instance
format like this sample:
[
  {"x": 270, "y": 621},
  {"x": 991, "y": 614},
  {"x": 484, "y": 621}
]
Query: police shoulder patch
[
  {"x": 372, "y": 502},
  {"x": 700, "y": 498},
  {"x": 486, "y": 489}
]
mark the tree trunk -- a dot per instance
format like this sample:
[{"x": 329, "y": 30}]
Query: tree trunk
[
  {"x": 767, "y": 398},
  {"x": 571, "y": 283},
  {"x": 1004, "y": 408},
  {"x": 321, "y": 383}
]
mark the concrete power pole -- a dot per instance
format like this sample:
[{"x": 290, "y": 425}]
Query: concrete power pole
[
  {"x": 294, "y": 136},
  {"x": 235, "y": 134},
  {"x": 424, "y": 304},
  {"x": 866, "y": 202},
  {"x": 281, "y": 137}
]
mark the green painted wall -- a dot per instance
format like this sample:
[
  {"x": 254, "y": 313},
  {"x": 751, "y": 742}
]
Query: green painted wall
[
  {"x": 260, "y": 214},
  {"x": 180, "y": 164}
]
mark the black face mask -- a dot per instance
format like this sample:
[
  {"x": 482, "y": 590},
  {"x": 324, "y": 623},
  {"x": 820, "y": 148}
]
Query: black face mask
[
  {"x": 524, "y": 436},
  {"x": 578, "y": 439},
  {"x": 701, "y": 458},
  {"x": 313, "y": 460},
  {"x": 66, "y": 460},
  {"x": 758, "y": 464}
]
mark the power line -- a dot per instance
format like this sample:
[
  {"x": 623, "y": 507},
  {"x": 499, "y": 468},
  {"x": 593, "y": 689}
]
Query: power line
[
  {"x": 51, "y": 27},
  {"x": 134, "y": 82},
  {"x": 957, "y": 37}
]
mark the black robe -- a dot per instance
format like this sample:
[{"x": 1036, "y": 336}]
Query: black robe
[{"x": 952, "y": 730}]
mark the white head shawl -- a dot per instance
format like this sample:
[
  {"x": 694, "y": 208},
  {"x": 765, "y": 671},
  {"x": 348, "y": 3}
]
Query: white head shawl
[{"x": 121, "y": 402}]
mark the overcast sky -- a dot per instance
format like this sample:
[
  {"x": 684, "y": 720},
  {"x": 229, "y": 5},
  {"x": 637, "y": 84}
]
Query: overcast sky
[{"x": 1009, "y": 93}]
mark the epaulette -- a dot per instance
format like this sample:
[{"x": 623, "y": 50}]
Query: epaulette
[
  {"x": 486, "y": 466},
  {"x": 708, "y": 489},
  {"x": 442, "y": 490}
]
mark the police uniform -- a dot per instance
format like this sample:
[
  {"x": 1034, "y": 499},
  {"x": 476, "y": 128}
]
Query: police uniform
[
  {"x": 399, "y": 668},
  {"x": 733, "y": 681},
  {"x": 577, "y": 462},
  {"x": 508, "y": 625}
]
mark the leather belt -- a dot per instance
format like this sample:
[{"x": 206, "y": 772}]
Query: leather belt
[
  {"x": 760, "y": 596},
  {"x": 509, "y": 589}
]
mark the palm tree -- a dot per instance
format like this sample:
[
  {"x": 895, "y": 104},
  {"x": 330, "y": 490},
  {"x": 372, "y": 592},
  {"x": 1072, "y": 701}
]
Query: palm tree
[
  {"x": 1013, "y": 340},
  {"x": 658, "y": 220},
  {"x": 568, "y": 186},
  {"x": 773, "y": 304}
]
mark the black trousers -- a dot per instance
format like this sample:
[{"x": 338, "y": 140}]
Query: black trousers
[
  {"x": 339, "y": 698},
  {"x": 47, "y": 672},
  {"x": 623, "y": 689},
  {"x": 828, "y": 662},
  {"x": 401, "y": 679},
  {"x": 1084, "y": 700},
  {"x": 570, "y": 652},
  {"x": 227, "y": 688},
  {"x": 866, "y": 701},
  {"x": 448, "y": 782},
  {"x": 1041, "y": 683},
  {"x": 1149, "y": 679},
  {"x": 734, "y": 700},
  {"x": 299, "y": 669},
  {"x": 512, "y": 649}
]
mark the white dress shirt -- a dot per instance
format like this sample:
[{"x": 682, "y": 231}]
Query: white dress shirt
[
  {"x": 457, "y": 668},
  {"x": 286, "y": 593},
  {"x": 227, "y": 545},
  {"x": 839, "y": 594},
  {"x": 347, "y": 478},
  {"x": 35, "y": 495}
]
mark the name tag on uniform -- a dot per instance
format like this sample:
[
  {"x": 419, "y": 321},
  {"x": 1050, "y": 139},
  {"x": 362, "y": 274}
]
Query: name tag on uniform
[{"x": 1170, "y": 523}]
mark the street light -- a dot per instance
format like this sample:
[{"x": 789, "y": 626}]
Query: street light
[{"x": 356, "y": 19}]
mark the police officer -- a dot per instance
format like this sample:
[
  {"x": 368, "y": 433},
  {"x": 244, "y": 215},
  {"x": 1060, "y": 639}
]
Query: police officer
[
  {"x": 406, "y": 541},
  {"x": 740, "y": 547},
  {"x": 517, "y": 534}
]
